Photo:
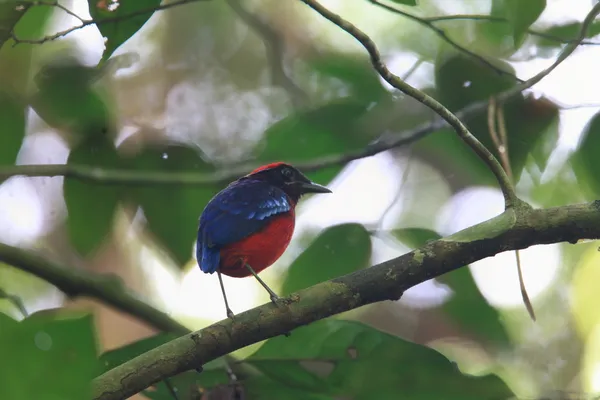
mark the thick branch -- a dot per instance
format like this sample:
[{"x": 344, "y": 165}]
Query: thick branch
[
  {"x": 516, "y": 228},
  {"x": 76, "y": 282},
  {"x": 510, "y": 197}
]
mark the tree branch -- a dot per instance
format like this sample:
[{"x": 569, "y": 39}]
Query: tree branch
[
  {"x": 510, "y": 197},
  {"x": 490, "y": 18},
  {"x": 130, "y": 177},
  {"x": 87, "y": 22},
  {"x": 516, "y": 228},
  {"x": 444, "y": 36},
  {"x": 75, "y": 282}
]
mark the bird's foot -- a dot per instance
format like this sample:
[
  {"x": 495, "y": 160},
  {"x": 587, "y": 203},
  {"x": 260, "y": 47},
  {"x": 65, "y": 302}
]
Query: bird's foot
[
  {"x": 230, "y": 314},
  {"x": 274, "y": 298},
  {"x": 278, "y": 301}
]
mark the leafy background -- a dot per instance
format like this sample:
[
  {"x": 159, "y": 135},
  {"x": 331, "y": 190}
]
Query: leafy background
[{"x": 195, "y": 89}]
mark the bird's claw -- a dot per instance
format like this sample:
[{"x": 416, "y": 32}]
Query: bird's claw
[
  {"x": 275, "y": 299},
  {"x": 230, "y": 314}
]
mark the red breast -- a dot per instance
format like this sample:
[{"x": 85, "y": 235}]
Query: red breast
[{"x": 259, "y": 250}]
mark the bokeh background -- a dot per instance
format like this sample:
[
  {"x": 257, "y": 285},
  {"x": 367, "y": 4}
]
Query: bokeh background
[{"x": 211, "y": 85}]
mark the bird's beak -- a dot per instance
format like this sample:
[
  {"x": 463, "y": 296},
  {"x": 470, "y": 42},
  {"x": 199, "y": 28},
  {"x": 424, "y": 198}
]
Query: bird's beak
[{"x": 311, "y": 187}]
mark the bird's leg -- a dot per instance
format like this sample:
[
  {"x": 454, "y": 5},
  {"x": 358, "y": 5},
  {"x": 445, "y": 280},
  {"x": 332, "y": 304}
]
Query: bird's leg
[
  {"x": 229, "y": 312},
  {"x": 274, "y": 297}
]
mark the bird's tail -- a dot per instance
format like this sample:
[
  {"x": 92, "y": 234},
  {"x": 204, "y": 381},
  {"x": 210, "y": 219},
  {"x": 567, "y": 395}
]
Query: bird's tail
[{"x": 208, "y": 258}]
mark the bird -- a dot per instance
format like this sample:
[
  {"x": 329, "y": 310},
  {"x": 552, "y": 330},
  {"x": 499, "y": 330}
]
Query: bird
[{"x": 248, "y": 225}]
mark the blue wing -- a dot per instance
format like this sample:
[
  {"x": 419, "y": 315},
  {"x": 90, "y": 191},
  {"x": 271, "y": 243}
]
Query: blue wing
[{"x": 236, "y": 212}]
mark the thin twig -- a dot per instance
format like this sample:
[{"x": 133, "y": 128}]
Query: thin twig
[
  {"x": 491, "y": 18},
  {"x": 274, "y": 46},
  {"x": 130, "y": 177},
  {"x": 500, "y": 139},
  {"x": 510, "y": 198},
  {"x": 97, "y": 22},
  {"x": 54, "y": 4},
  {"x": 444, "y": 36},
  {"x": 16, "y": 301}
]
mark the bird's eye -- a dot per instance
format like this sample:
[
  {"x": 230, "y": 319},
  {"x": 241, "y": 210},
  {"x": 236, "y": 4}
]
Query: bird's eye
[{"x": 287, "y": 173}]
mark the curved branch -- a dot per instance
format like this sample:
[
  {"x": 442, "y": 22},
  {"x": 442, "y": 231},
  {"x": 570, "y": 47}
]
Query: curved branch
[
  {"x": 444, "y": 36},
  {"x": 130, "y": 177},
  {"x": 75, "y": 282},
  {"x": 510, "y": 197},
  {"x": 516, "y": 228}
]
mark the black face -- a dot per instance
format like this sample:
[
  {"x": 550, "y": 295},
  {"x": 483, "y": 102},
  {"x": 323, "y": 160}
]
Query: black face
[{"x": 292, "y": 181}]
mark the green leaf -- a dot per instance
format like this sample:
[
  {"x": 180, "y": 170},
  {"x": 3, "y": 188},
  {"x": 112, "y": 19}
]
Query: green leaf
[
  {"x": 12, "y": 120},
  {"x": 7, "y": 323},
  {"x": 415, "y": 237},
  {"x": 11, "y": 12},
  {"x": 521, "y": 15},
  {"x": 467, "y": 306},
  {"x": 337, "y": 251},
  {"x": 358, "y": 73},
  {"x": 346, "y": 358},
  {"x": 265, "y": 388},
  {"x": 51, "y": 354},
  {"x": 209, "y": 380},
  {"x": 116, "y": 357},
  {"x": 128, "y": 17},
  {"x": 585, "y": 160},
  {"x": 504, "y": 35},
  {"x": 406, "y": 2},
  {"x": 67, "y": 101},
  {"x": 565, "y": 33},
  {"x": 530, "y": 123},
  {"x": 331, "y": 129},
  {"x": 470, "y": 310},
  {"x": 91, "y": 205},
  {"x": 172, "y": 212}
]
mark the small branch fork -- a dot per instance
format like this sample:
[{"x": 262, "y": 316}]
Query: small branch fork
[{"x": 117, "y": 176}]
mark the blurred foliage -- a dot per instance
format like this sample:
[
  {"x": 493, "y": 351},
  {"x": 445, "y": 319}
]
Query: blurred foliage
[
  {"x": 462, "y": 80},
  {"x": 12, "y": 120},
  {"x": 67, "y": 100},
  {"x": 175, "y": 229},
  {"x": 341, "y": 249},
  {"x": 124, "y": 18},
  {"x": 406, "y": 2},
  {"x": 204, "y": 51},
  {"x": 329, "y": 129},
  {"x": 326, "y": 360},
  {"x": 9, "y": 16},
  {"x": 51, "y": 354},
  {"x": 91, "y": 207},
  {"x": 466, "y": 300},
  {"x": 586, "y": 162}
]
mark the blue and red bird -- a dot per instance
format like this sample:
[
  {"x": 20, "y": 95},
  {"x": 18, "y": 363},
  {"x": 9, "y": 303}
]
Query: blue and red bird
[{"x": 248, "y": 225}]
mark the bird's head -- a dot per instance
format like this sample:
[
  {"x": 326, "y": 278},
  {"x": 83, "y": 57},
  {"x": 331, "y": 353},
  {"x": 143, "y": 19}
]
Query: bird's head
[{"x": 293, "y": 182}]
